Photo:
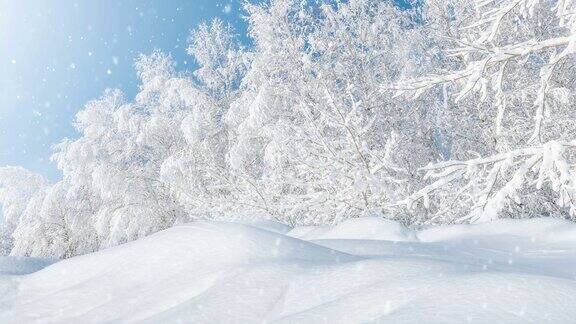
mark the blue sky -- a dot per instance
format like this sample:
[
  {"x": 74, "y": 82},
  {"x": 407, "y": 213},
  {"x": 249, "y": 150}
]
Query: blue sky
[{"x": 57, "y": 55}]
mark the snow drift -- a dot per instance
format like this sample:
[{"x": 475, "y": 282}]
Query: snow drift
[{"x": 364, "y": 270}]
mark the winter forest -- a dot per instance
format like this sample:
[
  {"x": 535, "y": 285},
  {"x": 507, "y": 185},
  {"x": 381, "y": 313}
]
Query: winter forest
[
  {"x": 357, "y": 161},
  {"x": 450, "y": 112}
]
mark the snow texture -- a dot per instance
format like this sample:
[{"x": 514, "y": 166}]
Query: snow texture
[{"x": 363, "y": 270}]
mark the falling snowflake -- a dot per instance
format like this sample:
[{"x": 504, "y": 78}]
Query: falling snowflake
[{"x": 227, "y": 8}]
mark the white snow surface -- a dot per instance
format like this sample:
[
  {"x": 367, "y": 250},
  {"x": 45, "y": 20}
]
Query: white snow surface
[
  {"x": 363, "y": 270},
  {"x": 366, "y": 228}
]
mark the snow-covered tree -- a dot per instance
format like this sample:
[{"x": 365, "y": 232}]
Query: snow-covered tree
[
  {"x": 518, "y": 66},
  {"x": 119, "y": 157},
  {"x": 17, "y": 187},
  {"x": 315, "y": 138},
  {"x": 220, "y": 58},
  {"x": 197, "y": 172}
]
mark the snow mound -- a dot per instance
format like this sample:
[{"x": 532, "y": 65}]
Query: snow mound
[
  {"x": 363, "y": 228},
  {"x": 216, "y": 272}
]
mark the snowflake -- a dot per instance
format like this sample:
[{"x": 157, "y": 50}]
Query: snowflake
[{"x": 227, "y": 8}]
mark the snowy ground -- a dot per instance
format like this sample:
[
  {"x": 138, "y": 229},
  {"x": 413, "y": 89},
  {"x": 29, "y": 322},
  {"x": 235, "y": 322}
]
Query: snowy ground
[{"x": 364, "y": 270}]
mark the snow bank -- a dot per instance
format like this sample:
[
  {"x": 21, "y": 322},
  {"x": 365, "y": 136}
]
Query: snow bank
[{"x": 364, "y": 270}]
